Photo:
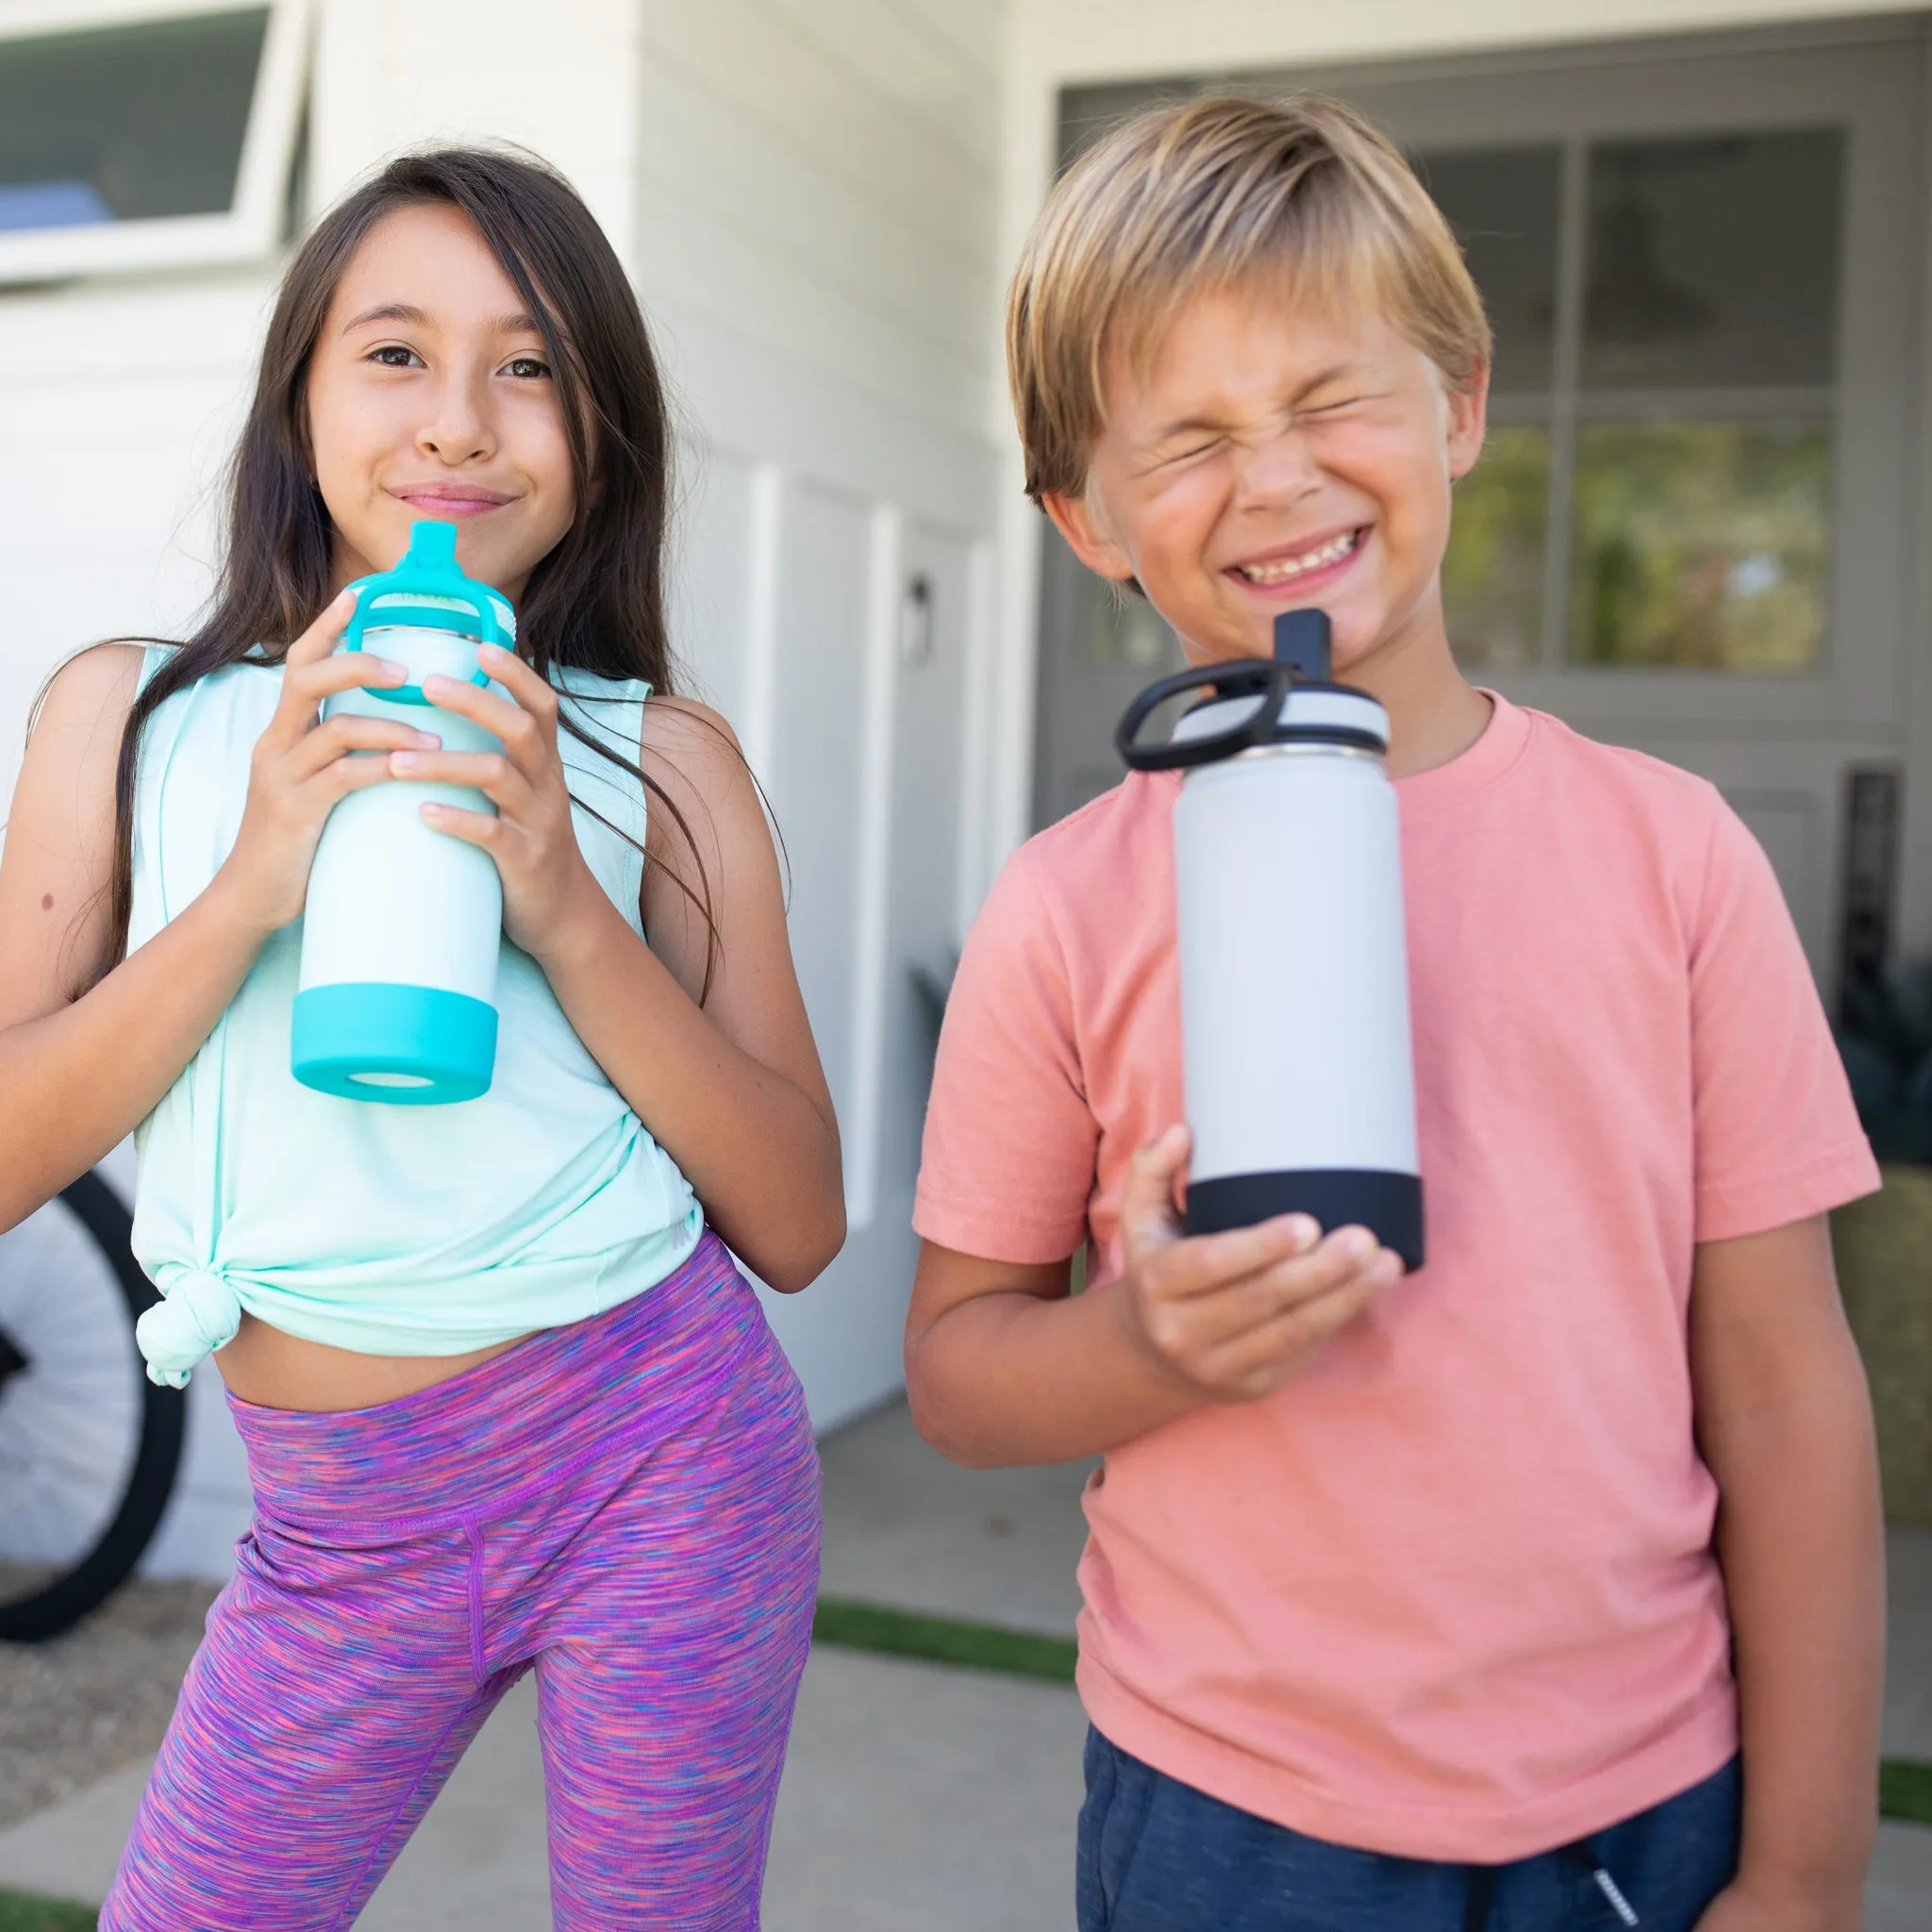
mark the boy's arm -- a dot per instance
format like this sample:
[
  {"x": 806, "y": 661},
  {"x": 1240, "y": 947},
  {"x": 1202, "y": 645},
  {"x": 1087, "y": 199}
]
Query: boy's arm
[
  {"x": 1003, "y": 1367},
  {"x": 1785, "y": 1424}
]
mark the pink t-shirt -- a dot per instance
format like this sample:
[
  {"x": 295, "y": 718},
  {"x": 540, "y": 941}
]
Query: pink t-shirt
[{"x": 1450, "y": 1592}]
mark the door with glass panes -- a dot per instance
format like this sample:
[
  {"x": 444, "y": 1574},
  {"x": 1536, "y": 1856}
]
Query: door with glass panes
[{"x": 1689, "y": 531}]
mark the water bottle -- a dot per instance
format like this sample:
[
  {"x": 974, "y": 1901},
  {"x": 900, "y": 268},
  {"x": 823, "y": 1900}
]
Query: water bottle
[
  {"x": 402, "y": 925},
  {"x": 1296, "y": 1059}
]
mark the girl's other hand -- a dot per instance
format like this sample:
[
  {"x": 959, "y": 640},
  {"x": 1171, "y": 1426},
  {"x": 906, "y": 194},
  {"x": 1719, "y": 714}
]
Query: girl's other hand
[
  {"x": 545, "y": 881},
  {"x": 302, "y": 766}
]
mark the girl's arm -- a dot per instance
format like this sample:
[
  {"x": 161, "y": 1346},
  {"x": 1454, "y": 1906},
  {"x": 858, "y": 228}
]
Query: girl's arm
[
  {"x": 77, "y": 1075},
  {"x": 1784, "y": 1421},
  {"x": 731, "y": 1088}
]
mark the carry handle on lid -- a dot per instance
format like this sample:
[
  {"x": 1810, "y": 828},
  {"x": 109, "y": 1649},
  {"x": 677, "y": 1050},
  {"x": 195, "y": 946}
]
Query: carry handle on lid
[
  {"x": 429, "y": 569},
  {"x": 1242, "y": 678},
  {"x": 1302, "y": 654}
]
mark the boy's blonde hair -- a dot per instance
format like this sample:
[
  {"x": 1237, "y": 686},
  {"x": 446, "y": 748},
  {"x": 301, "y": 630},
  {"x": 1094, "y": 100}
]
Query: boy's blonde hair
[{"x": 1213, "y": 193}]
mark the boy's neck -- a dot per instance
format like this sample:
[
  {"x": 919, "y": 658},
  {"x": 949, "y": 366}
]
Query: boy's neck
[{"x": 1435, "y": 713}]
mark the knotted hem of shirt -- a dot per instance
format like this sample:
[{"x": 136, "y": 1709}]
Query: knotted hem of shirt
[{"x": 198, "y": 1313}]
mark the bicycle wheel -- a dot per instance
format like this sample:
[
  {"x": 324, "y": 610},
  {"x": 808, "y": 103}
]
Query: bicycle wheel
[{"x": 88, "y": 1447}]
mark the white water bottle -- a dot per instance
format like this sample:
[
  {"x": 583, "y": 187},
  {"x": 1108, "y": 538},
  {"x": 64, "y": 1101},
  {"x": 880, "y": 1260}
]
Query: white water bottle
[
  {"x": 1297, "y": 1058},
  {"x": 404, "y": 925}
]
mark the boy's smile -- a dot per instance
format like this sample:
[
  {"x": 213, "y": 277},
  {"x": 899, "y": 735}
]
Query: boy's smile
[
  {"x": 1305, "y": 565},
  {"x": 1272, "y": 455}
]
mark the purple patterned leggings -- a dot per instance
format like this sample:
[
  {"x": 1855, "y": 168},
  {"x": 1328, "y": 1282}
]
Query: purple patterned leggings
[{"x": 629, "y": 1506}]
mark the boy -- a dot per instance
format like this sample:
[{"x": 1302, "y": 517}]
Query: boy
[{"x": 1541, "y": 1589}]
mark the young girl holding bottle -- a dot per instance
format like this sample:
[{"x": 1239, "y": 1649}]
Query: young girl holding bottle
[{"x": 508, "y": 1403}]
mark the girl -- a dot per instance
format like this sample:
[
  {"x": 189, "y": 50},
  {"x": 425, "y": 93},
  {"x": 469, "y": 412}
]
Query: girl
[{"x": 507, "y": 1402}]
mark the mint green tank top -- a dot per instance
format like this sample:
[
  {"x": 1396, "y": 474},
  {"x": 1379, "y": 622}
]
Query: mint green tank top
[{"x": 388, "y": 1230}]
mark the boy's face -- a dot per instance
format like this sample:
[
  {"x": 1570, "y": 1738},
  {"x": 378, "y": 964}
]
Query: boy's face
[{"x": 1273, "y": 458}]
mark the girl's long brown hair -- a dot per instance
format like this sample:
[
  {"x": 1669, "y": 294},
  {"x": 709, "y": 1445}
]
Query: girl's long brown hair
[{"x": 595, "y": 603}]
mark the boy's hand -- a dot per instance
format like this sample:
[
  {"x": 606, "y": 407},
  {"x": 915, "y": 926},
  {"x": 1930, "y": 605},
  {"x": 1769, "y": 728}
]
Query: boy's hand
[{"x": 1230, "y": 1317}]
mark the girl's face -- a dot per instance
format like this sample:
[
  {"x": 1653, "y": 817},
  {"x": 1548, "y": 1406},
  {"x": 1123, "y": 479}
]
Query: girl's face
[{"x": 430, "y": 394}]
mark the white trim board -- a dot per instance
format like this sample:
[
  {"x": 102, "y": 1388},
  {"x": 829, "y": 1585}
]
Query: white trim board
[{"x": 1085, "y": 41}]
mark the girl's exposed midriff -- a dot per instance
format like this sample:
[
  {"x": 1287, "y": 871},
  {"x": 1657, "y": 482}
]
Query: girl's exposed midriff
[{"x": 269, "y": 1368}]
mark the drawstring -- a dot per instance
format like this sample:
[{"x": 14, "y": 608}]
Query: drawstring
[
  {"x": 1482, "y": 1888},
  {"x": 1587, "y": 1855},
  {"x": 1611, "y": 1890}
]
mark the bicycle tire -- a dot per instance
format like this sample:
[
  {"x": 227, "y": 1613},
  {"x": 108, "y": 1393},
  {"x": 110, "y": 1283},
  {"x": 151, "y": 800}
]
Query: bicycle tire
[{"x": 60, "y": 1604}]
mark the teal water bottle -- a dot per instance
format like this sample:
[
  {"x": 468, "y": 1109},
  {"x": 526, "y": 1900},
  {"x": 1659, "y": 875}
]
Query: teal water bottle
[{"x": 404, "y": 923}]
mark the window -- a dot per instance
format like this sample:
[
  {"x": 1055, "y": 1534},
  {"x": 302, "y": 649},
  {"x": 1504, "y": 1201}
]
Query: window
[
  {"x": 143, "y": 136},
  {"x": 1657, "y": 490}
]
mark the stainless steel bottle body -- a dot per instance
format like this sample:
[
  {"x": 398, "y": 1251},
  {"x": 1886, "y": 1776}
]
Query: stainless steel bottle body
[
  {"x": 1296, "y": 1047},
  {"x": 1297, "y": 1058}
]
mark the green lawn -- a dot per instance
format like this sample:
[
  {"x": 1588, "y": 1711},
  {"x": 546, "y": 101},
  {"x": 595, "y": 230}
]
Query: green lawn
[
  {"x": 942, "y": 1639},
  {"x": 1905, "y": 1791},
  {"x": 21, "y": 1913}
]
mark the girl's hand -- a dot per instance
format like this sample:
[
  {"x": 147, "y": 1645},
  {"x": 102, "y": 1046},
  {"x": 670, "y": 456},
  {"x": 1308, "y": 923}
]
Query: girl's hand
[
  {"x": 546, "y": 881},
  {"x": 1230, "y": 1317},
  {"x": 300, "y": 768}
]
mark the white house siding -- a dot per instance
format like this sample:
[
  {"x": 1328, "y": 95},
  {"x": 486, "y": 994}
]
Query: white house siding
[
  {"x": 562, "y": 79},
  {"x": 814, "y": 242},
  {"x": 805, "y": 193},
  {"x": 118, "y": 401}
]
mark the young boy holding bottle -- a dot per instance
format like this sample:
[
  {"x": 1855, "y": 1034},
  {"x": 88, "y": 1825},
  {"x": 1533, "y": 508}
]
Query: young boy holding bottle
[{"x": 1540, "y": 1588}]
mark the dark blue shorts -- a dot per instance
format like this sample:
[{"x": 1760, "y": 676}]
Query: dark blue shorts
[{"x": 1158, "y": 1855}]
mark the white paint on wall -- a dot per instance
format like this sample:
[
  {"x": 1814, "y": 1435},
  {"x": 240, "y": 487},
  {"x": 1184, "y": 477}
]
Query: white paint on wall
[
  {"x": 885, "y": 603},
  {"x": 819, "y": 179},
  {"x": 723, "y": 577},
  {"x": 978, "y": 846},
  {"x": 814, "y": 245},
  {"x": 119, "y": 402},
  {"x": 816, "y": 771},
  {"x": 391, "y": 73},
  {"x": 758, "y": 551}
]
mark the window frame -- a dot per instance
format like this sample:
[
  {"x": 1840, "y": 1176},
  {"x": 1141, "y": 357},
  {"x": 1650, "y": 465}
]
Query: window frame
[
  {"x": 252, "y": 225},
  {"x": 1567, "y": 406}
]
